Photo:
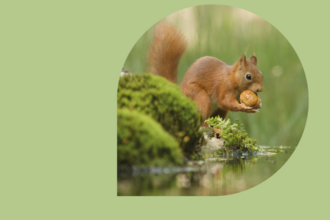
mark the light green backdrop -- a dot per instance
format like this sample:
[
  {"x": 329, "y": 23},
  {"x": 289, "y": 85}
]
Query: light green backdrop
[{"x": 59, "y": 66}]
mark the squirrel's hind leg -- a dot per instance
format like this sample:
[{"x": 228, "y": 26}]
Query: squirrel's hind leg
[
  {"x": 200, "y": 96},
  {"x": 221, "y": 112}
]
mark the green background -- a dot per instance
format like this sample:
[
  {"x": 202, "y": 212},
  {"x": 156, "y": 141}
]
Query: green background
[
  {"x": 59, "y": 66},
  {"x": 226, "y": 33}
]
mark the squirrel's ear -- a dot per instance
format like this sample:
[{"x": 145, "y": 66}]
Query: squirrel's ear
[
  {"x": 242, "y": 60},
  {"x": 253, "y": 60}
]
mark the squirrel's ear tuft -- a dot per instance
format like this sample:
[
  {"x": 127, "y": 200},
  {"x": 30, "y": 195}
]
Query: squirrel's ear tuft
[
  {"x": 242, "y": 60},
  {"x": 253, "y": 60}
]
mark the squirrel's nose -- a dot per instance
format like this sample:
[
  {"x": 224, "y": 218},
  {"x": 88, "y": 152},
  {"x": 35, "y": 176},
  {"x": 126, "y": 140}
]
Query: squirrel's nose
[{"x": 259, "y": 90}]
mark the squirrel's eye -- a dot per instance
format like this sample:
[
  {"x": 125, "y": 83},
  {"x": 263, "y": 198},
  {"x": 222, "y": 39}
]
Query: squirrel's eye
[{"x": 248, "y": 76}]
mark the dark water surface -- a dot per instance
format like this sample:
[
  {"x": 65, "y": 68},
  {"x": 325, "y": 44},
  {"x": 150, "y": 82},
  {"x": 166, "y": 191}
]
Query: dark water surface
[{"x": 215, "y": 176}]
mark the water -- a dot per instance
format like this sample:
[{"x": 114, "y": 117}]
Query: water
[{"x": 214, "y": 176}]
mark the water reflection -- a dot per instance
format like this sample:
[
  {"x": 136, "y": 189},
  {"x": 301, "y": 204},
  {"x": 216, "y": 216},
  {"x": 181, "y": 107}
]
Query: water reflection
[{"x": 214, "y": 176}]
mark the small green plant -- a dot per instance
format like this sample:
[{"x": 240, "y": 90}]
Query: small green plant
[{"x": 234, "y": 134}]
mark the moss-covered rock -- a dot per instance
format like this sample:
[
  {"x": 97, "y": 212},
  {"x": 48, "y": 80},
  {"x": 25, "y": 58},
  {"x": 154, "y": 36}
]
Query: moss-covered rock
[
  {"x": 165, "y": 103},
  {"x": 143, "y": 142}
]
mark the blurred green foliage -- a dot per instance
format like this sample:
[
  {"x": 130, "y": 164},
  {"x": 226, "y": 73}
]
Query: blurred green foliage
[
  {"x": 164, "y": 102},
  {"x": 142, "y": 141},
  {"x": 227, "y": 33}
]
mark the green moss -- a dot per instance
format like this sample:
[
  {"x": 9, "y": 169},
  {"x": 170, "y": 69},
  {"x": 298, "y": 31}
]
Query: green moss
[
  {"x": 164, "y": 102},
  {"x": 234, "y": 134},
  {"x": 143, "y": 142}
]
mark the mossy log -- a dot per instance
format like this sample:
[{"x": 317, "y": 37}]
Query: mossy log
[
  {"x": 165, "y": 103},
  {"x": 143, "y": 142}
]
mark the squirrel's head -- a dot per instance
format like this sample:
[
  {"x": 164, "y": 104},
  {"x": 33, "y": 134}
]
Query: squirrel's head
[{"x": 247, "y": 74}]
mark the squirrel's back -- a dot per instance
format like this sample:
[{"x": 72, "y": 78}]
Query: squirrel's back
[
  {"x": 165, "y": 52},
  {"x": 207, "y": 72}
]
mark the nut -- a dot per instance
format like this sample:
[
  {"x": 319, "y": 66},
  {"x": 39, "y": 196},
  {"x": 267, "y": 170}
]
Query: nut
[{"x": 249, "y": 99}]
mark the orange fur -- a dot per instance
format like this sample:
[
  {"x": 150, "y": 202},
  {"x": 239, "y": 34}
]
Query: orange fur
[
  {"x": 165, "y": 52},
  {"x": 211, "y": 83}
]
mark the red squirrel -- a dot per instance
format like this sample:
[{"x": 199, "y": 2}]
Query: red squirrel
[{"x": 211, "y": 83}]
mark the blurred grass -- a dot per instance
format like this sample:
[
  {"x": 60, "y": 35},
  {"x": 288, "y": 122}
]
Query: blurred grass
[{"x": 226, "y": 33}]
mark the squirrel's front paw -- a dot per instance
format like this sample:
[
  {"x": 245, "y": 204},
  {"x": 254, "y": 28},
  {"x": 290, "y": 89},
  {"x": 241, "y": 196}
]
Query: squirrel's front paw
[
  {"x": 248, "y": 109},
  {"x": 260, "y": 105}
]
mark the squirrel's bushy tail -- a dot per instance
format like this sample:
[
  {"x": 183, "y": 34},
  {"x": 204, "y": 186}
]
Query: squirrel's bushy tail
[{"x": 165, "y": 52}]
